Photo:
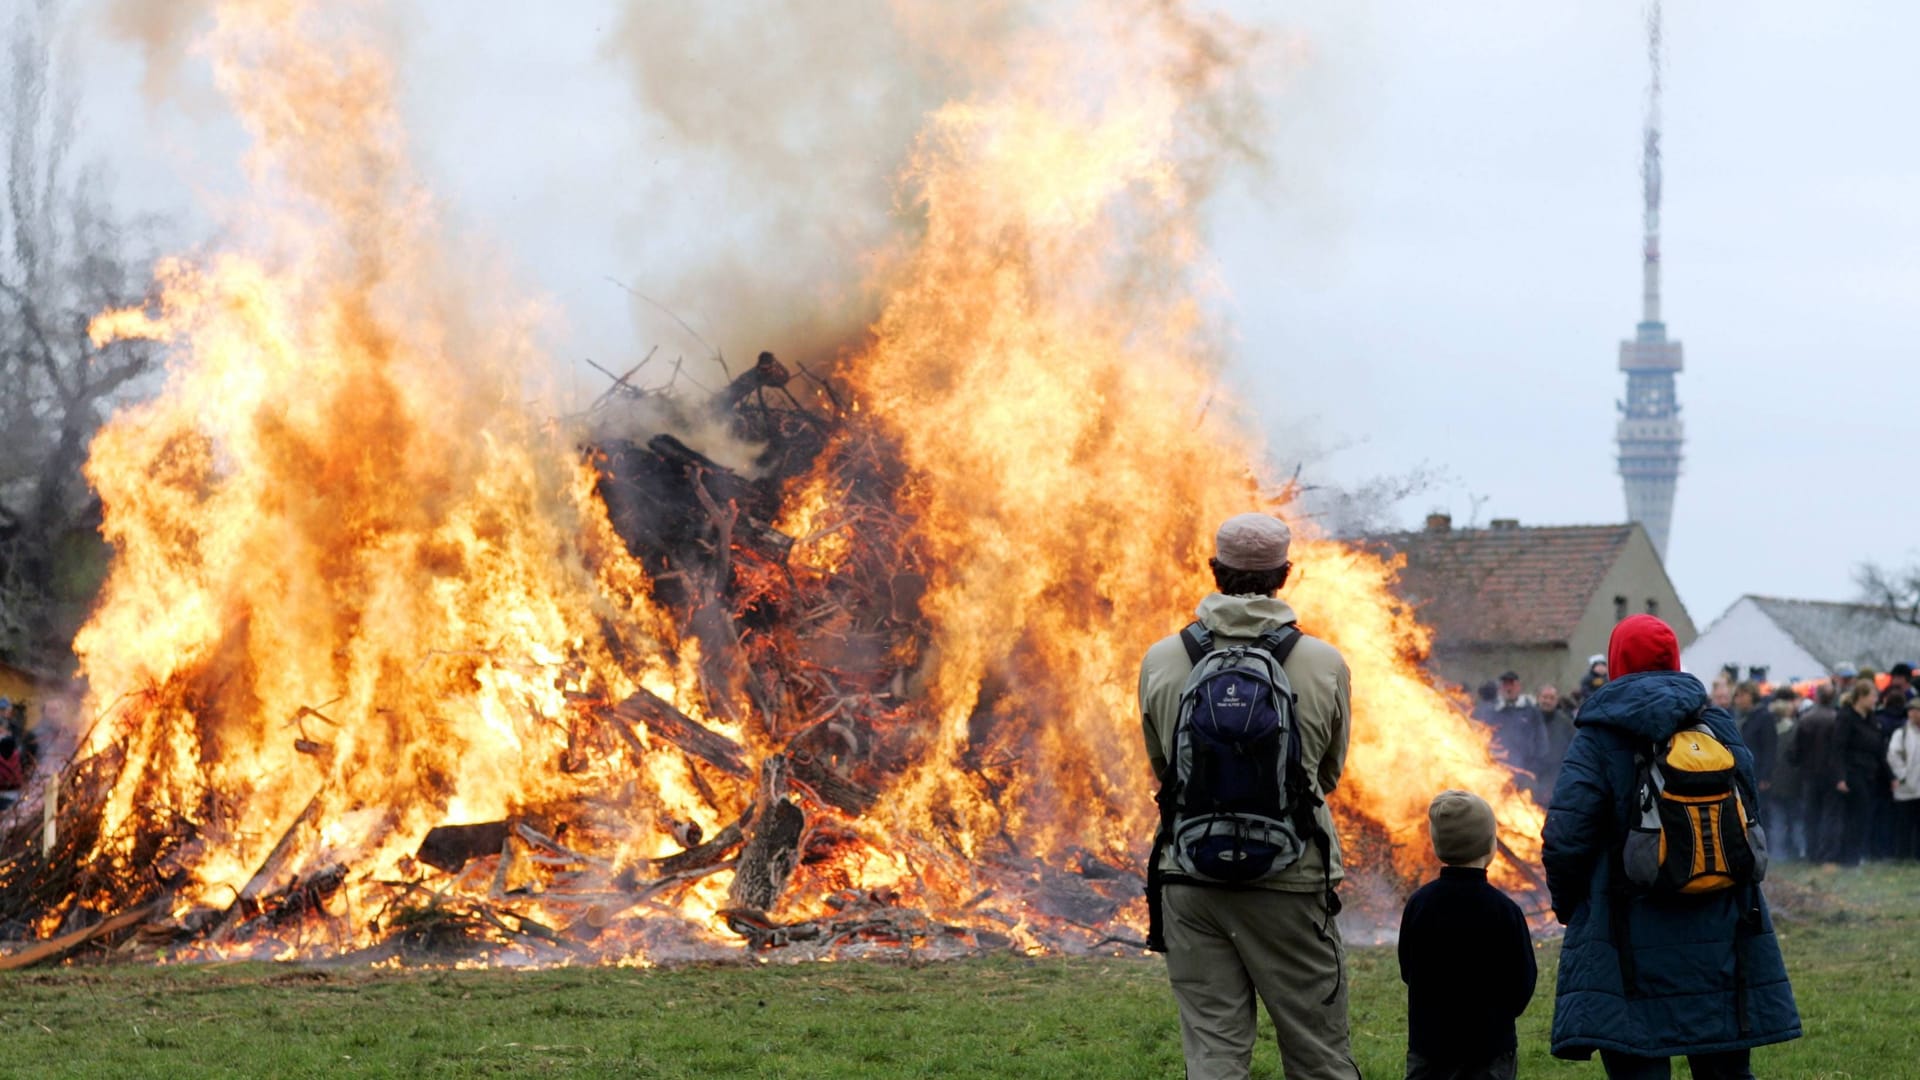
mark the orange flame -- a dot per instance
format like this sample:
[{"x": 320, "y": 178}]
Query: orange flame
[
  {"x": 1047, "y": 369},
  {"x": 355, "y": 582},
  {"x": 350, "y": 569}
]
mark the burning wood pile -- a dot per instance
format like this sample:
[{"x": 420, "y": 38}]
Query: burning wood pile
[{"x": 812, "y": 669}]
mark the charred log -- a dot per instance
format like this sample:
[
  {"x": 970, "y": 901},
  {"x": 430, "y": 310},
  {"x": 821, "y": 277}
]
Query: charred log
[
  {"x": 876, "y": 923},
  {"x": 824, "y": 759},
  {"x": 663, "y": 720},
  {"x": 450, "y": 847},
  {"x": 64, "y": 945},
  {"x": 833, "y": 789},
  {"x": 298, "y": 898},
  {"x": 772, "y": 849},
  {"x": 249, "y": 901},
  {"x": 706, "y": 854}
]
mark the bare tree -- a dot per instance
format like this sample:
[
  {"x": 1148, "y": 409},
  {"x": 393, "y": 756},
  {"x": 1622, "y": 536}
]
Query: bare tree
[
  {"x": 1895, "y": 590},
  {"x": 64, "y": 257}
]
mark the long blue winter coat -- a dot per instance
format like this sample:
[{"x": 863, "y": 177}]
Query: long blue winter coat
[{"x": 1701, "y": 961}]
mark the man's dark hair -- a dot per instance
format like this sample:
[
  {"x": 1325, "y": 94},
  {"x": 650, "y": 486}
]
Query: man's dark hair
[
  {"x": 1234, "y": 582},
  {"x": 1902, "y": 670}
]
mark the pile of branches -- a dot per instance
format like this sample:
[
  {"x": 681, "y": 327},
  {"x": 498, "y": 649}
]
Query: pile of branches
[{"x": 817, "y": 665}]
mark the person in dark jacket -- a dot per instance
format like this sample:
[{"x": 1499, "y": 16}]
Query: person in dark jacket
[
  {"x": 1858, "y": 757},
  {"x": 1756, "y": 729},
  {"x": 1786, "y": 803},
  {"x": 1486, "y": 699},
  {"x": 1465, "y": 954},
  {"x": 1900, "y": 682},
  {"x": 1556, "y": 719},
  {"x": 1816, "y": 738},
  {"x": 1647, "y": 978},
  {"x": 1891, "y": 716},
  {"x": 1518, "y": 734},
  {"x": 1594, "y": 679}
]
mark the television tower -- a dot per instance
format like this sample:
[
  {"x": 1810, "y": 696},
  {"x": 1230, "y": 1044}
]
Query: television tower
[{"x": 1650, "y": 430}]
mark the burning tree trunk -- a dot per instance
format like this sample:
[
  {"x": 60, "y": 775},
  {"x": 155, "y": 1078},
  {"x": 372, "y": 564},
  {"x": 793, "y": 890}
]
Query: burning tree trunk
[
  {"x": 773, "y": 842},
  {"x": 666, "y": 722}
]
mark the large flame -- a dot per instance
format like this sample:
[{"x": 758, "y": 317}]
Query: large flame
[
  {"x": 356, "y": 583},
  {"x": 353, "y": 576},
  {"x": 1049, "y": 372}
]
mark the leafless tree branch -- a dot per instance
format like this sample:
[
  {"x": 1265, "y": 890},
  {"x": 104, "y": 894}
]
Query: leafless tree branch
[
  {"x": 65, "y": 256},
  {"x": 1894, "y": 590}
]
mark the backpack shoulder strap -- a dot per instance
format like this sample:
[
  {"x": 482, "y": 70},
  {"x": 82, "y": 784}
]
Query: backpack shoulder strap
[
  {"x": 1197, "y": 639},
  {"x": 1279, "y": 643}
]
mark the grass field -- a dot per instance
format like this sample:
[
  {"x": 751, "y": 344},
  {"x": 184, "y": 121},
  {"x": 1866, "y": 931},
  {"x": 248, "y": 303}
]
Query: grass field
[{"x": 1852, "y": 940}]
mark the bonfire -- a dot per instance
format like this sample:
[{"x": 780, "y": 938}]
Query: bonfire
[{"x": 393, "y": 666}]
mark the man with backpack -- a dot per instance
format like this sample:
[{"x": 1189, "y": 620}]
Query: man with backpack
[
  {"x": 1654, "y": 858},
  {"x": 1246, "y": 723}
]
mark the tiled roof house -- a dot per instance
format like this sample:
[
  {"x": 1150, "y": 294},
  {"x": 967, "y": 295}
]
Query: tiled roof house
[{"x": 1536, "y": 600}]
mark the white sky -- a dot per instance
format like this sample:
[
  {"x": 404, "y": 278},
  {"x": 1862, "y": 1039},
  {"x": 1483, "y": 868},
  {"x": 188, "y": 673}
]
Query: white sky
[{"x": 1435, "y": 272}]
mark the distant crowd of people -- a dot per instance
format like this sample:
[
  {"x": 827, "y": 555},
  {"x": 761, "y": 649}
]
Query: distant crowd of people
[
  {"x": 1531, "y": 732},
  {"x": 1837, "y": 761}
]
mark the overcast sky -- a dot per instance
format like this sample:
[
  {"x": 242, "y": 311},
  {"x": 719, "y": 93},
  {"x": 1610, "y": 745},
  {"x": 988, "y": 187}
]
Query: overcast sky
[{"x": 1433, "y": 273}]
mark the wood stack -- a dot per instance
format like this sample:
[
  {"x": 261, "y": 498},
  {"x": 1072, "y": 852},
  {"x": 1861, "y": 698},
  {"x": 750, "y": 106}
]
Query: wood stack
[{"x": 815, "y": 667}]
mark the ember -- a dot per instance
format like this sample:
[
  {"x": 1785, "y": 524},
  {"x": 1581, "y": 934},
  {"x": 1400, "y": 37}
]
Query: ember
[{"x": 824, "y": 663}]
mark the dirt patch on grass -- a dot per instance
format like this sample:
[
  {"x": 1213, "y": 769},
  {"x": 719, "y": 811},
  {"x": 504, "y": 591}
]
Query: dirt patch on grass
[{"x": 1804, "y": 899}]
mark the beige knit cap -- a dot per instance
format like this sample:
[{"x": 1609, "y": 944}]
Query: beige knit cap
[
  {"x": 1462, "y": 825},
  {"x": 1252, "y": 542}
]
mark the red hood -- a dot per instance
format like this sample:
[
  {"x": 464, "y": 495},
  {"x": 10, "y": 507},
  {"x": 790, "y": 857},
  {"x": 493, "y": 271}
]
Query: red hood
[{"x": 1642, "y": 643}]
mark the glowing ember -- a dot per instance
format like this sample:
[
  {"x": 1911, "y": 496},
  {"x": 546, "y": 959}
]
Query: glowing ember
[{"x": 361, "y": 596}]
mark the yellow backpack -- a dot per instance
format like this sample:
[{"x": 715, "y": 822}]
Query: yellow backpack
[{"x": 1691, "y": 829}]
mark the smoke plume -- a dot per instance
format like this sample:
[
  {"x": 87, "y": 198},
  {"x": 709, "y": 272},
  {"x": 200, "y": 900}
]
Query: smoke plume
[{"x": 800, "y": 120}]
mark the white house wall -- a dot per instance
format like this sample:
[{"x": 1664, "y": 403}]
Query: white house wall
[{"x": 1746, "y": 636}]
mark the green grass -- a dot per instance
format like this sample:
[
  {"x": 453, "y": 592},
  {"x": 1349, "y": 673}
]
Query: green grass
[{"x": 1850, "y": 939}]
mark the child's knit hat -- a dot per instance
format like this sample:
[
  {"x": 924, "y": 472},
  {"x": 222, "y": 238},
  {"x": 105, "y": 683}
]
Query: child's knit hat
[{"x": 1462, "y": 825}]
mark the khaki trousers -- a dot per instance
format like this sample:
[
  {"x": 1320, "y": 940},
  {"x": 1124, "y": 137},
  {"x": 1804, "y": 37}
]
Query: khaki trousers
[{"x": 1224, "y": 947}]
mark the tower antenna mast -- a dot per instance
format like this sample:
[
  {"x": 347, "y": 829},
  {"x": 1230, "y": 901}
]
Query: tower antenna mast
[{"x": 1650, "y": 432}]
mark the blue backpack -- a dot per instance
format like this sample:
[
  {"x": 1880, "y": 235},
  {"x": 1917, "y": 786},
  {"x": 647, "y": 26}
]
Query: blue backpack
[{"x": 1235, "y": 805}]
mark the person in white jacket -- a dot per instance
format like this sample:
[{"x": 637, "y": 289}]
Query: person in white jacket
[{"x": 1903, "y": 755}]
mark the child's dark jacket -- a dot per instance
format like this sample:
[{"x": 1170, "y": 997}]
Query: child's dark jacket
[{"x": 1467, "y": 960}]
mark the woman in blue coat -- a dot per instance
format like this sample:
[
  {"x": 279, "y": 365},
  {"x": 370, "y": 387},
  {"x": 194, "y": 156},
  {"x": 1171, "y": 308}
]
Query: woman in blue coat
[{"x": 1647, "y": 978}]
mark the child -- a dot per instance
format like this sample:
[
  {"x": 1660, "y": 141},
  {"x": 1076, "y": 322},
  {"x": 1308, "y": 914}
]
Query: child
[{"x": 1465, "y": 954}]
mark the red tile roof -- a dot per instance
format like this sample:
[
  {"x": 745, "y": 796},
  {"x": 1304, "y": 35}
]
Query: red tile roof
[{"x": 1506, "y": 586}]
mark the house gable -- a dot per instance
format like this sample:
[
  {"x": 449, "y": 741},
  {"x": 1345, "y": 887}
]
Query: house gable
[
  {"x": 1747, "y": 636},
  {"x": 1635, "y": 583},
  {"x": 1836, "y": 633}
]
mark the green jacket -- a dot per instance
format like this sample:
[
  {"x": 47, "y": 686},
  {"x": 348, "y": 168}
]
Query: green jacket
[{"x": 1320, "y": 680}]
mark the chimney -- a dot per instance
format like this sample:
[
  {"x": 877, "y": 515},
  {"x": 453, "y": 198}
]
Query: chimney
[
  {"x": 1439, "y": 523},
  {"x": 1504, "y": 524}
]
